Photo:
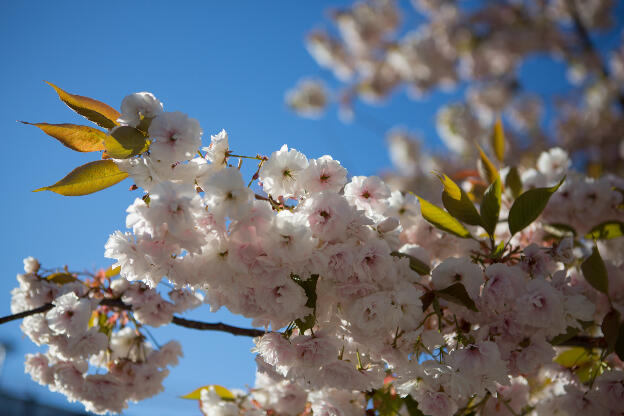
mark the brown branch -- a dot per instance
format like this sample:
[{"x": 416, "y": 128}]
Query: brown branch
[
  {"x": 588, "y": 44},
  {"x": 585, "y": 342},
  {"x": 118, "y": 303},
  {"x": 206, "y": 326}
]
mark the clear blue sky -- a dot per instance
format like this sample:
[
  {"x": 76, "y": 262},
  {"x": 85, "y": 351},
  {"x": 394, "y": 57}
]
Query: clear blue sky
[{"x": 227, "y": 64}]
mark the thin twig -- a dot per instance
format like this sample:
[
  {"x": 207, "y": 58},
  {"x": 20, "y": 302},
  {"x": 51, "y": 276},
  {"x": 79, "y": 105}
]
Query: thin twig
[{"x": 118, "y": 303}]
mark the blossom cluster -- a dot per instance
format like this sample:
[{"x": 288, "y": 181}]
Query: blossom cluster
[
  {"x": 360, "y": 295},
  {"x": 485, "y": 45}
]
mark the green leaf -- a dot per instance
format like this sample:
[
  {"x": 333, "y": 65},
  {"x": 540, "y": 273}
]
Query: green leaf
[
  {"x": 224, "y": 393},
  {"x": 561, "y": 338},
  {"x": 528, "y": 206},
  {"x": 498, "y": 251},
  {"x": 573, "y": 357},
  {"x": 457, "y": 293},
  {"x": 61, "y": 278},
  {"x": 490, "y": 206},
  {"x": 498, "y": 140},
  {"x": 457, "y": 202},
  {"x": 490, "y": 172},
  {"x": 606, "y": 231},
  {"x": 412, "y": 406},
  {"x": 88, "y": 178},
  {"x": 415, "y": 264},
  {"x": 96, "y": 111},
  {"x": 442, "y": 219},
  {"x": 309, "y": 286},
  {"x": 513, "y": 182},
  {"x": 619, "y": 343},
  {"x": 125, "y": 142},
  {"x": 386, "y": 403},
  {"x": 595, "y": 271},
  {"x": 79, "y": 138},
  {"x": 611, "y": 328}
]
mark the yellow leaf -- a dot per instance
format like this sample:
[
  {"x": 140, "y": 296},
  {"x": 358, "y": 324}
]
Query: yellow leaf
[
  {"x": 112, "y": 271},
  {"x": 61, "y": 278},
  {"x": 491, "y": 172},
  {"x": 101, "y": 114},
  {"x": 220, "y": 390},
  {"x": 498, "y": 140},
  {"x": 89, "y": 178},
  {"x": 79, "y": 138},
  {"x": 442, "y": 219},
  {"x": 125, "y": 142},
  {"x": 573, "y": 357}
]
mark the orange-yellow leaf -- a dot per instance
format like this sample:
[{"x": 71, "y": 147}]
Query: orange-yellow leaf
[
  {"x": 101, "y": 114},
  {"x": 79, "y": 138},
  {"x": 498, "y": 140},
  {"x": 112, "y": 271},
  {"x": 220, "y": 390},
  {"x": 61, "y": 278},
  {"x": 89, "y": 178}
]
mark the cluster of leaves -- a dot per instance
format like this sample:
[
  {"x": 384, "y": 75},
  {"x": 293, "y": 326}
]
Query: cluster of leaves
[{"x": 117, "y": 142}]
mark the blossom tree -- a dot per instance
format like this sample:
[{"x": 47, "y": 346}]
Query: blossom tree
[{"x": 500, "y": 292}]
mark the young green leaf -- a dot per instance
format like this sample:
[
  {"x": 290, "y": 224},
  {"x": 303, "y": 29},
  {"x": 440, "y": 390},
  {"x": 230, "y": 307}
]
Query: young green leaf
[
  {"x": 224, "y": 393},
  {"x": 513, "y": 182},
  {"x": 490, "y": 206},
  {"x": 528, "y": 206},
  {"x": 498, "y": 140},
  {"x": 559, "y": 230},
  {"x": 415, "y": 264},
  {"x": 79, "y": 138},
  {"x": 88, "y": 178},
  {"x": 606, "y": 231},
  {"x": 490, "y": 172},
  {"x": 442, "y": 219},
  {"x": 595, "y": 272},
  {"x": 457, "y": 202},
  {"x": 125, "y": 142},
  {"x": 96, "y": 111},
  {"x": 561, "y": 338},
  {"x": 457, "y": 293}
]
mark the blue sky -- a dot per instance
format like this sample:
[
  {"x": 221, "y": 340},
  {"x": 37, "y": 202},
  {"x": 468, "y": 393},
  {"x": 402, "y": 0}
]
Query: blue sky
[{"x": 227, "y": 64}]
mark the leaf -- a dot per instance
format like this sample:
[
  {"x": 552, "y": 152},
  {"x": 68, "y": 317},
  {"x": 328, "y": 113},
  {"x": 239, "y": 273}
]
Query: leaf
[
  {"x": 412, "y": 406},
  {"x": 112, "y": 271},
  {"x": 490, "y": 206},
  {"x": 498, "y": 250},
  {"x": 498, "y": 140},
  {"x": 442, "y": 219},
  {"x": 561, "y": 338},
  {"x": 125, "y": 142},
  {"x": 606, "y": 231},
  {"x": 611, "y": 328},
  {"x": 88, "y": 178},
  {"x": 573, "y": 357},
  {"x": 61, "y": 278},
  {"x": 528, "y": 206},
  {"x": 490, "y": 171},
  {"x": 309, "y": 286},
  {"x": 619, "y": 343},
  {"x": 79, "y": 138},
  {"x": 415, "y": 264},
  {"x": 224, "y": 393},
  {"x": 513, "y": 182},
  {"x": 96, "y": 111},
  {"x": 595, "y": 272},
  {"x": 457, "y": 202},
  {"x": 457, "y": 293}
]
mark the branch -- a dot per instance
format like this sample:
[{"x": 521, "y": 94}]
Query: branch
[
  {"x": 118, "y": 303},
  {"x": 206, "y": 326},
  {"x": 585, "y": 342},
  {"x": 588, "y": 45}
]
